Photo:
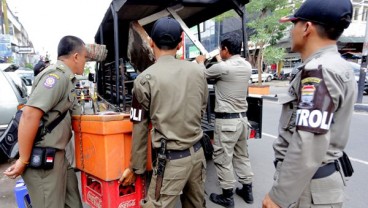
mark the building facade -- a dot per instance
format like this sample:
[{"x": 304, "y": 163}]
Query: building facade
[{"x": 15, "y": 44}]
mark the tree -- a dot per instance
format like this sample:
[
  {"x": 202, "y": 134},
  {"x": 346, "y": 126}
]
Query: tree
[
  {"x": 264, "y": 18},
  {"x": 29, "y": 66}
]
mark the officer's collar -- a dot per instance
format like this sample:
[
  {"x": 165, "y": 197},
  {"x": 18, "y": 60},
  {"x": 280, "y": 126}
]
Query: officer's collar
[
  {"x": 68, "y": 72},
  {"x": 319, "y": 52},
  {"x": 165, "y": 57}
]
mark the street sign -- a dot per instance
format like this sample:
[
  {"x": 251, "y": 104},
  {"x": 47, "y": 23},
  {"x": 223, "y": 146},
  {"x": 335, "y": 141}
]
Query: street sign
[{"x": 25, "y": 49}]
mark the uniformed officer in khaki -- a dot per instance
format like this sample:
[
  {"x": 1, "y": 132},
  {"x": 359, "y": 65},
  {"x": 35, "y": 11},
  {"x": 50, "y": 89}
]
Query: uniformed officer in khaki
[
  {"x": 52, "y": 94},
  {"x": 316, "y": 114},
  {"x": 172, "y": 95},
  {"x": 231, "y": 125}
]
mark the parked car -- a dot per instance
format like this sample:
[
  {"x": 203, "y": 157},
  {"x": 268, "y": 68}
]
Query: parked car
[
  {"x": 281, "y": 76},
  {"x": 27, "y": 76},
  {"x": 356, "y": 69},
  {"x": 13, "y": 97},
  {"x": 266, "y": 77}
]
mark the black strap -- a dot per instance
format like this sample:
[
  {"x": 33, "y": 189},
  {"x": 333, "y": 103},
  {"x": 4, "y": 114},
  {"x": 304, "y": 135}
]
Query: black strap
[
  {"x": 326, "y": 170},
  {"x": 55, "y": 122}
]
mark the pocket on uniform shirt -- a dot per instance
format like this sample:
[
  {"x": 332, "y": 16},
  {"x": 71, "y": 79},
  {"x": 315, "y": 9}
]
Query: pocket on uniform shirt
[{"x": 328, "y": 190}]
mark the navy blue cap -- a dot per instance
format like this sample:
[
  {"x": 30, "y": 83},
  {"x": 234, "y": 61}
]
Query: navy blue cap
[
  {"x": 335, "y": 13},
  {"x": 166, "y": 30}
]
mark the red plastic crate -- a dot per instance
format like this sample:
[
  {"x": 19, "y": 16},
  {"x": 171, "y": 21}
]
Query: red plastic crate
[{"x": 109, "y": 194}]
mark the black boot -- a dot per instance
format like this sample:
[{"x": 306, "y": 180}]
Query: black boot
[
  {"x": 246, "y": 193},
  {"x": 225, "y": 199}
]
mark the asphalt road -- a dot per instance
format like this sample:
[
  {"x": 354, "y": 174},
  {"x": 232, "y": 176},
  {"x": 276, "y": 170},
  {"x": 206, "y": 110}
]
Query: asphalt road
[{"x": 261, "y": 155}]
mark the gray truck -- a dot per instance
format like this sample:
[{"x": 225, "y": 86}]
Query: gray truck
[{"x": 123, "y": 30}]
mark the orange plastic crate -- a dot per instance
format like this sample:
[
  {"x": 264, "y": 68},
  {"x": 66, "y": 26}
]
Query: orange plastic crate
[
  {"x": 105, "y": 145},
  {"x": 110, "y": 194}
]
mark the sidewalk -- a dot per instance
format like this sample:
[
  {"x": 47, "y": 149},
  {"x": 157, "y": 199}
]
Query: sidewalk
[{"x": 279, "y": 88}]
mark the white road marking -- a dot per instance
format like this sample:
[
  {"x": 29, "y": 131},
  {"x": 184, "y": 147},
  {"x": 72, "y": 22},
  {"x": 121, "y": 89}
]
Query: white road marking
[
  {"x": 359, "y": 161},
  {"x": 351, "y": 158},
  {"x": 360, "y": 113},
  {"x": 269, "y": 135}
]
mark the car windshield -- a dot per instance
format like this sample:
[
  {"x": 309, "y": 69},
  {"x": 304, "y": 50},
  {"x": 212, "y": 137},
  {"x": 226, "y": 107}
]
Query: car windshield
[{"x": 18, "y": 83}]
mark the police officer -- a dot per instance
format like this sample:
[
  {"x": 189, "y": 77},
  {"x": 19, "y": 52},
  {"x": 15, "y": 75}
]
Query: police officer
[
  {"x": 172, "y": 95},
  {"x": 316, "y": 114},
  {"x": 41, "y": 65},
  {"x": 231, "y": 124},
  {"x": 53, "y": 93}
]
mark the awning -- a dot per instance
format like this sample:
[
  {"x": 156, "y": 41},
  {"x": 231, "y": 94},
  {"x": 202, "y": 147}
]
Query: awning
[
  {"x": 292, "y": 56},
  {"x": 352, "y": 55},
  {"x": 351, "y": 39}
]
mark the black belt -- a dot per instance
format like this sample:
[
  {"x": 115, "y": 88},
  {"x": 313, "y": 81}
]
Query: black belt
[
  {"x": 178, "y": 154},
  {"x": 230, "y": 115},
  {"x": 323, "y": 171},
  {"x": 326, "y": 170}
]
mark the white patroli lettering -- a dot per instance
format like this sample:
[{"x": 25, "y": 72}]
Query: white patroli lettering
[
  {"x": 313, "y": 119},
  {"x": 135, "y": 114}
]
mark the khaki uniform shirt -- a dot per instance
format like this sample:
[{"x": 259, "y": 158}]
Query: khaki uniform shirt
[
  {"x": 314, "y": 123},
  {"x": 54, "y": 92},
  {"x": 231, "y": 88},
  {"x": 172, "y": 94}
]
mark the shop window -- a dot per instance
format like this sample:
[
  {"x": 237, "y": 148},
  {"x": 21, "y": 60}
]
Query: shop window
[
  {"x": 356, "y": 13},
  {"x": 365, "y": 14}
]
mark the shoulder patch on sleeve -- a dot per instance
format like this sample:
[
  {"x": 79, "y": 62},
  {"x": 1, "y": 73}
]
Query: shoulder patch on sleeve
[
  {"x": 315, "y": 106},
  {"x": 50, "y": 81},
  {"x": 137, "y": 112}
]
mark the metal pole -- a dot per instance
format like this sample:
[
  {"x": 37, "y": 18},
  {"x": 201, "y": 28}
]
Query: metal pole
[
  {"x": 245, "y": 38},
  {"x": 5, "y": 17},
  {"x": 363, "y": 67},
  {"x": 116, "y": 50}
]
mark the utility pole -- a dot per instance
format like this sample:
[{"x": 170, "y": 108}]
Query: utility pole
[
  {"x": 363, "y": 66},
  {"x": 5, "y": 17}
]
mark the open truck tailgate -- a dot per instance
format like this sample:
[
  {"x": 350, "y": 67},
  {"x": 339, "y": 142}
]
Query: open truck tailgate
[{"x": 114, "y": 33}]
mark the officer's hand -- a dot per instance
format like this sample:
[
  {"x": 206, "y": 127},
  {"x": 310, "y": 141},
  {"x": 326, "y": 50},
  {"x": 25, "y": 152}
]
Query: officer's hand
[
  {"x": 15, "y": 170},
  {"x": 201, "y": 59},
  {"x": 128, "y": 177},
  {"x": 268, "y": 203}
]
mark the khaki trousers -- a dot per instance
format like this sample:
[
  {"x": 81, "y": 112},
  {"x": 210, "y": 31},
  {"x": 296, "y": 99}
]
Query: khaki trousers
[
  {"x": 184, "y": 178},
  {"x": 56, "y": 188},
  {"x": 231, "y": 152},
  {"x": 327, "y": 192}
]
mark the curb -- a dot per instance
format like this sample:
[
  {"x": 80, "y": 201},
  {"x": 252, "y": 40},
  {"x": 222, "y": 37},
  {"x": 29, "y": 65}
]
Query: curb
[{"x": 361, "y": 107}]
